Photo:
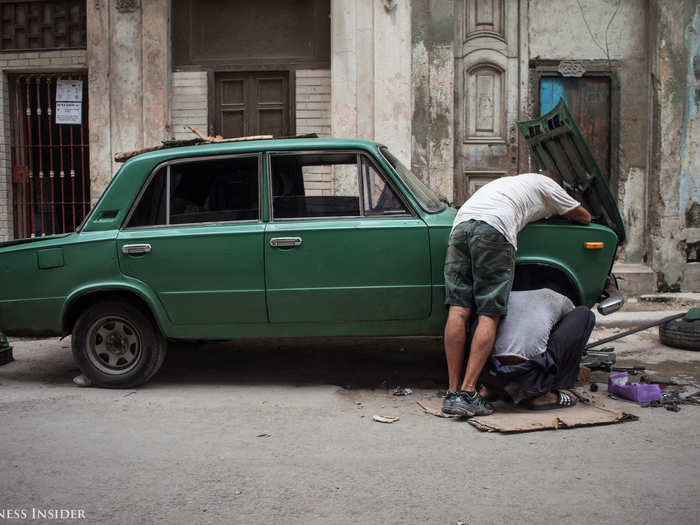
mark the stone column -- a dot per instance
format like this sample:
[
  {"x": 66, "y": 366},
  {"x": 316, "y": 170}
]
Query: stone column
[
  {"x": 128, "y": 46},
  {"x": 371, "y": 72}
]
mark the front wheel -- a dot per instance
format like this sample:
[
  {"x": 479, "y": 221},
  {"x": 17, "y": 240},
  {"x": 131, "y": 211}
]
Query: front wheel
[{"x": 117, "y": 345}]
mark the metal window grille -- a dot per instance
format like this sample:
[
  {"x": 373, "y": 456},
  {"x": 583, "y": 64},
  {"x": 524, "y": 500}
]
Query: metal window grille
[
  {"x": 33, "y": 25},
  {"x": 50, "y": 175}
]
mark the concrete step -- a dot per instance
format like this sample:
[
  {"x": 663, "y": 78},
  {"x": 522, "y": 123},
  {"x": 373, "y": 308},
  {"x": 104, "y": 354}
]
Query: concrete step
[{"x": 635, "y": 279}]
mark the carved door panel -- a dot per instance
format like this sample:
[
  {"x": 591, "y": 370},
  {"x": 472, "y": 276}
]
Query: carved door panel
[{"x": 487, "y": 80}]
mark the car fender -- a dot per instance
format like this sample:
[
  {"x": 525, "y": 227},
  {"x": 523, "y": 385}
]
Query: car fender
[{"x": 128, "y": 286}]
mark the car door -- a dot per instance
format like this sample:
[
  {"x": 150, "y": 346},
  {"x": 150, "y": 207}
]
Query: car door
[
  {"x": 342, "y": 244},
  {"x": 195, "y": 237}
]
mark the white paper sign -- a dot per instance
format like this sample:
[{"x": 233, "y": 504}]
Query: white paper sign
[
  {"x": 69, "y": 91},
  {"x": 69, "y": 113}
]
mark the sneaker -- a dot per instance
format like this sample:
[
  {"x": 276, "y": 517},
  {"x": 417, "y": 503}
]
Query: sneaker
[
  {"x": 449, "y": 405},
  {"x": 471, "y": 404}
]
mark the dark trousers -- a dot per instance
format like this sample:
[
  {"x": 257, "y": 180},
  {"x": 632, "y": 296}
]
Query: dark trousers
[{"x": 553, "y": 369}]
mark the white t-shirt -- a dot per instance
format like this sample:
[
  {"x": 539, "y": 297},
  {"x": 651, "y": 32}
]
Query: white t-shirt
[
  {"x": 509, "y": 203},
  {"x": 532, "y": 314}
]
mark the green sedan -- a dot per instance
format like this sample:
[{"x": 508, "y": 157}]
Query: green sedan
[{"x": 280, "y": 238}]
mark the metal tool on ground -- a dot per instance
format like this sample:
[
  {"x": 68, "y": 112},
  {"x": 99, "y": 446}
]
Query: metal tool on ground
[
  {"x": 631, "y": 370},
  {"x": 597, "y": 359},
  {"x": 635, "y": 330}
]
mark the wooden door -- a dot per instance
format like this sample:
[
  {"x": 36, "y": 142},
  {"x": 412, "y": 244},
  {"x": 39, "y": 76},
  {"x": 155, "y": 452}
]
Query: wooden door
[
  {"x": 251, "y": 103},
  {"x": 487, "y": 80},
  {"x": 589, "y": 100}
]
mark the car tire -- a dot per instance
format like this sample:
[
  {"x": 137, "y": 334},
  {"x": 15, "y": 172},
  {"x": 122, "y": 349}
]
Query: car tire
[
  {"x": 680, "y": 333},
  {"x": 117, "y": 345}
]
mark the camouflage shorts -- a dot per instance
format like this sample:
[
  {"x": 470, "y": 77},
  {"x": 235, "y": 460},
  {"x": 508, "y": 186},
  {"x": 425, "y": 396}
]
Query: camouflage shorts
[{"x": 479, "y": 269}]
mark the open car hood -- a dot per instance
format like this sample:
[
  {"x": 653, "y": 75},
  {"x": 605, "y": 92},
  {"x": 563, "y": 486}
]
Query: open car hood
[{"x": 557, "y": 144}]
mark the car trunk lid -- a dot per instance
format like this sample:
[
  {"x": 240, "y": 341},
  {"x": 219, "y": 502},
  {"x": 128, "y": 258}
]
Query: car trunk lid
[{"x": 558, "y": 145}]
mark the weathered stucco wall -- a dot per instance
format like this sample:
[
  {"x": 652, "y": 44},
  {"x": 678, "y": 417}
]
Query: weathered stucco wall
[
  {"x": 600, "y": 30},
  {"x": 674, "y": 187},
  {"x": 371, "y": 72},
  {"x": 128, "y": 49},
  {"x": 432, "y": 62}
]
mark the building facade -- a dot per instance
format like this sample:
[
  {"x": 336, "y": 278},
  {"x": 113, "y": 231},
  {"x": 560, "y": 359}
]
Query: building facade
[{"x": 441, "y": 82}]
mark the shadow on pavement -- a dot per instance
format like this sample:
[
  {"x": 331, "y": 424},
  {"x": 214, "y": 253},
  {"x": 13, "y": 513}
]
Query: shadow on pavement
[{"x": 378, "y": 363}]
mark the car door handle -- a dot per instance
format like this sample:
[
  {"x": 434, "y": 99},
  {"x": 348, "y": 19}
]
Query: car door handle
[
  {"x": 285, "y": 242},
  {"x": 136, "y": 249}
]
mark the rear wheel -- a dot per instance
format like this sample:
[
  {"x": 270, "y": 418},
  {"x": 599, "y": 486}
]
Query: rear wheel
[{"x": 116, "y": 344}]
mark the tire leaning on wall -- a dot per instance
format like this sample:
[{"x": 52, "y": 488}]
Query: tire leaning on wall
[{"x": 681, "y": 333}]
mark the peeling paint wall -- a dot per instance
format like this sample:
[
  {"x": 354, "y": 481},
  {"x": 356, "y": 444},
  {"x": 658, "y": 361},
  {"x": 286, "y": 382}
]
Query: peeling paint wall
[
  {"x": 690, "y": 156},
  {"x": 615, "y": 33},
  {"x": 432, "y": 63},
  {"x": 674, "y": 186}
]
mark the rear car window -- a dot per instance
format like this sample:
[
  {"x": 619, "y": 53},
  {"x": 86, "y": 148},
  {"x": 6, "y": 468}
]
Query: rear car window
[{"x": 203, "y": 191}]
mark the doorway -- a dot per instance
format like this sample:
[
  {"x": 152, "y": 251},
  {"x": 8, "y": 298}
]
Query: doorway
[{"x": 50, "y": 161}]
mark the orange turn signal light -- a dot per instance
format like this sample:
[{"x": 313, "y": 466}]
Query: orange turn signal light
[{"x": 595, "y": 245}]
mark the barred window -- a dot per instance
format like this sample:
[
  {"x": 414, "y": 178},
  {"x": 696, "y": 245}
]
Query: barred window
[{"x": 33, "y": 25}]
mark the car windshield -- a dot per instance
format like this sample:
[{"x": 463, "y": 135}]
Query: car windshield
[{"x": 422, "y": 193}]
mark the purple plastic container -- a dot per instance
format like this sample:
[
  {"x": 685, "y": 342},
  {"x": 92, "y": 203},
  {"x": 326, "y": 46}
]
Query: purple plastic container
[{"x": 617, "y": 384}]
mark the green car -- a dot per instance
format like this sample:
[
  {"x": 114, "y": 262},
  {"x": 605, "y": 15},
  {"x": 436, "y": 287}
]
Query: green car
[{"x": 280, "y": 238}]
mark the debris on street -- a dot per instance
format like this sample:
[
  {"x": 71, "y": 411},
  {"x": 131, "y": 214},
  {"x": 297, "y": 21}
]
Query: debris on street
[
  {"x": 82, "y": 380},
  {"x": 398, "y": 391},
  {"x": 384, "y": 419}
]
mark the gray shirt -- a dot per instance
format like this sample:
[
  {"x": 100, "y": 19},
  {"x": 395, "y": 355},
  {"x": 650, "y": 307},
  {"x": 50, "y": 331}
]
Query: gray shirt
[{"x": 532, "y": 314}]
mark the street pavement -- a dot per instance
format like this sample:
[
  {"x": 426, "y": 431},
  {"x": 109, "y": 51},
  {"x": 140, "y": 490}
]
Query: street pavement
[{"x": 282, "y": 432}]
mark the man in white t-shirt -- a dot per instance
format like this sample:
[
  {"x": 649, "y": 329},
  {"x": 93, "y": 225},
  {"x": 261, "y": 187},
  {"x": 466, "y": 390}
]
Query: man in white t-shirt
[
  {"x": 479, "y": 268},
  {"x": 538, "y": 350}
]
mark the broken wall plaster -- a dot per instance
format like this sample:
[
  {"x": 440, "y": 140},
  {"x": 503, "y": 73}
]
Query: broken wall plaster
[
  {"x": 690, "y": 148},
  {"x": 432, "y": 65}
]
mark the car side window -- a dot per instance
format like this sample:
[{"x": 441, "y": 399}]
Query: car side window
[
  {"x": 329, "y": 184},
  {"x": 211, "y": 190}
]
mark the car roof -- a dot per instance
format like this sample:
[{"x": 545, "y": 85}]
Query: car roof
[{"x": 245, "y": 146}]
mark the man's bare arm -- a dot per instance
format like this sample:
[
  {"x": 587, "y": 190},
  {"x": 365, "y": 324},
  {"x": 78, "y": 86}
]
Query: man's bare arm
[{"x": 579, "y": 214}]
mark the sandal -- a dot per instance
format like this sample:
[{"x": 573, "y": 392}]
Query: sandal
[{"x": 564, "y": 400}]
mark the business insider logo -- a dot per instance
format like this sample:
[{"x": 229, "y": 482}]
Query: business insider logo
[{"x": 42, "y": 514}]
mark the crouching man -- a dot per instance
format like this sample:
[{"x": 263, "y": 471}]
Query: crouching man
[{"x": 538, "y": 350}]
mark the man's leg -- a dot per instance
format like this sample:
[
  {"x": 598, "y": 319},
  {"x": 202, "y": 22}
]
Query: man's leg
[
  {"x": 455, "y": 341},
  {"x": 482, "y": 344},
  {"x": 566, "y": 344}
]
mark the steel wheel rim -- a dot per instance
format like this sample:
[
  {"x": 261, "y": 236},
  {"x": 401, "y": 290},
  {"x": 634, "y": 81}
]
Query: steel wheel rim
[{"x": 113, "y": 345}]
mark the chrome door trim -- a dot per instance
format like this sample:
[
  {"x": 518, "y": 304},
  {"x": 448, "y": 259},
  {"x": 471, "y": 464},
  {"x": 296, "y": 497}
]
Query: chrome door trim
[
  {"x": 285, "y": 242},
  {"x": 136, "y": 249}
]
